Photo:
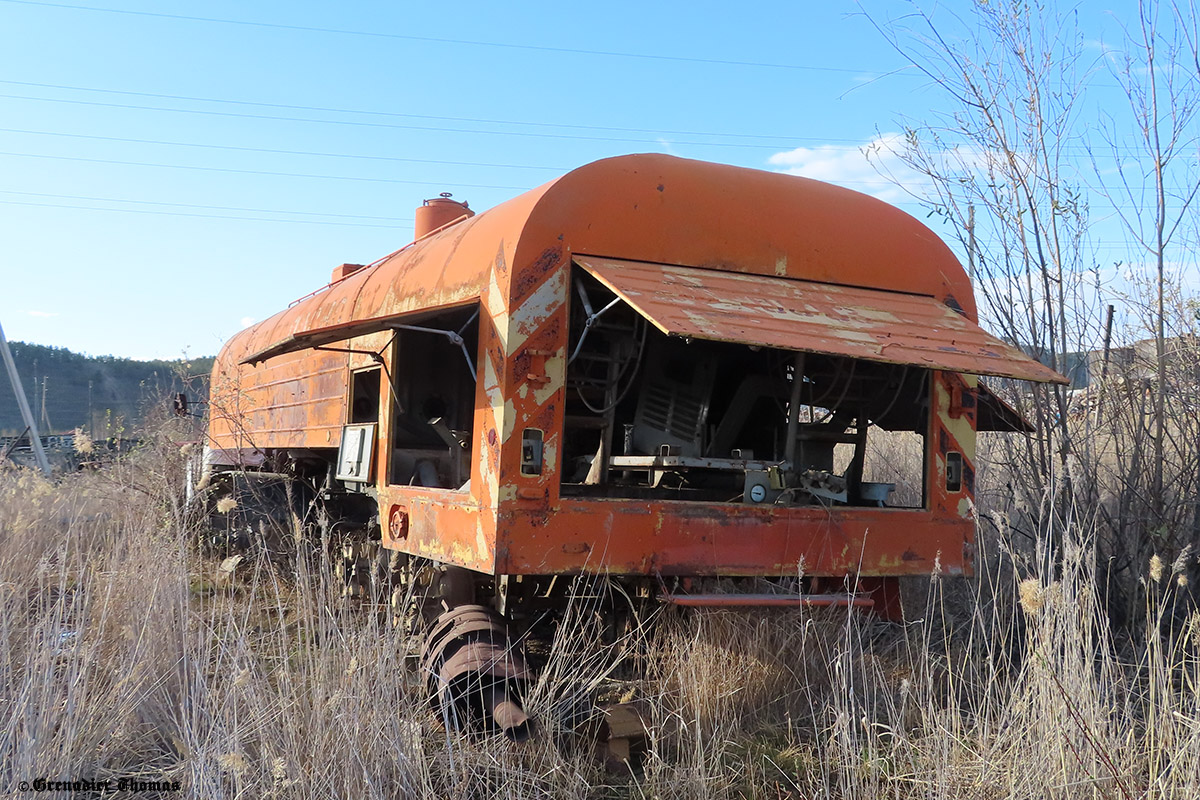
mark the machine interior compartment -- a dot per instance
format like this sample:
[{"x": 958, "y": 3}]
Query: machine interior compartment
[
  {"x": 663, "y": 417},
  {"x": 433, "y": 378}
]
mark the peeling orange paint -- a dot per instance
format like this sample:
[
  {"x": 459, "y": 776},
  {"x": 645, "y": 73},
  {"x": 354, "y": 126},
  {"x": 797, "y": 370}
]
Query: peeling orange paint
[{"x": 829, "y": 270}]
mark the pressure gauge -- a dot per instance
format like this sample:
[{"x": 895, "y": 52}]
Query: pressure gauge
[{"x": 758, "y": 493}]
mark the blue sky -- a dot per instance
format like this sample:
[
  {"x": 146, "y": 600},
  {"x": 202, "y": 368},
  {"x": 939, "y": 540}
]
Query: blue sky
[{"x": 167, "y": 179}]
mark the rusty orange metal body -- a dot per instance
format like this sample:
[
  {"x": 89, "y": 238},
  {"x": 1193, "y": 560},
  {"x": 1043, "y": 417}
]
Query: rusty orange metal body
[{"x": 702, "y": 252}]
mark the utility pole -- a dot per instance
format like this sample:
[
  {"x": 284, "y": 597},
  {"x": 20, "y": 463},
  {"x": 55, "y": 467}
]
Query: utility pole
[
  {"x": 971, "y": 242},
  {"x": 34, "y": 438},
  {"x": 1103, "y": 364},
  {"x": 45, "y": 418}
]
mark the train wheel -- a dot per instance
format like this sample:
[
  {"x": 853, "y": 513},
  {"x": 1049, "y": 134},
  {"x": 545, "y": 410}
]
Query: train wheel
[{"x": 474, "y": 675}]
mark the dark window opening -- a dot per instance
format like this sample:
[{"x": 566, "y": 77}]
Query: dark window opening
[
  {"x": 433, "y": 413},
  {"x": 364, "y": 396},
  {"x": 652, "y": 416}
]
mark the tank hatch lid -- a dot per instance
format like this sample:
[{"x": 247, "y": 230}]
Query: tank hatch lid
[{"x": 791, "y": 314}]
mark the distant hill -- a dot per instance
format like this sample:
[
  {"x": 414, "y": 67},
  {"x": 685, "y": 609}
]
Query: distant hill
[{"x": 106, "y": 387}]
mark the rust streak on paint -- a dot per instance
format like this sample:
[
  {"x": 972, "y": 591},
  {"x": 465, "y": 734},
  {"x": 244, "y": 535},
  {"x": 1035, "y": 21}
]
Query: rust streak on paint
[{"x": 827, "y": 271}]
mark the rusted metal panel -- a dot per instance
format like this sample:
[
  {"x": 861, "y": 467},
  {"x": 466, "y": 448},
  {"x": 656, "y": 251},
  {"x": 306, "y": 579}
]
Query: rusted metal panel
[
  {"x": 447, "y": 526},
  {"x": 634, "y": 537},
  {"x": 871, "y": 324},
  {"x": 295, "y": 402}
]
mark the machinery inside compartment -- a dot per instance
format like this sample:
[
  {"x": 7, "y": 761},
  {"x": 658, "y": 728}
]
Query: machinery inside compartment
[
  {"x": 433, "y": 384},
  {"x": 658, "y": 417}
]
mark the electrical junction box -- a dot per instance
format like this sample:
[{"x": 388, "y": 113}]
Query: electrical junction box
[{"x": 355, "y": 454}]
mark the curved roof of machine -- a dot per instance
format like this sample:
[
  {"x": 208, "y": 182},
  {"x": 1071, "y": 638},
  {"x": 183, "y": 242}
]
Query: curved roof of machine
[{"x": 651, "y": 208}]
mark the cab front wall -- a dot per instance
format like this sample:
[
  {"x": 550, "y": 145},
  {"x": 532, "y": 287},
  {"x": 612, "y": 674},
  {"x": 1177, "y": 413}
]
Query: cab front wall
[{"x": 540, "y": 532}]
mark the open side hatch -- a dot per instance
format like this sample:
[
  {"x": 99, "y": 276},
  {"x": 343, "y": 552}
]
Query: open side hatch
[{"x": 697, "y": 384}]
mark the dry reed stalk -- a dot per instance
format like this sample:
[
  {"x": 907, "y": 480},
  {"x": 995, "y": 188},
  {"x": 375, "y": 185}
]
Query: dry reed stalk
[{"x": 120, "y": 657}]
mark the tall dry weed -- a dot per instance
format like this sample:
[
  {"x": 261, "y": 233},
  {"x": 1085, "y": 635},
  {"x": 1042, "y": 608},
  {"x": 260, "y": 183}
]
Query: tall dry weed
[{"x": 121, "y": 656}]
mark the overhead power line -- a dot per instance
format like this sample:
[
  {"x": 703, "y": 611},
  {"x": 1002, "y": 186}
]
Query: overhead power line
[
  {"x": 442, "y": 40},
  {"x": 388, "y": 125},
  {"x": 764, "y": 141},
  {"x": 91, "y": 198},
  {"x": 881, "y": 182},
  {"x": 208, "y": 146},
  {"x": 262, "y": 172},
  {"x": 398, "y": 114},
  {"x": 865, "y": 184},
  {"x": 200, "y": 216}
]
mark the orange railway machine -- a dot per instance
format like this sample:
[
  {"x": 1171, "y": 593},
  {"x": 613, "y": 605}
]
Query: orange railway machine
[{"x": 659, "y": 370}]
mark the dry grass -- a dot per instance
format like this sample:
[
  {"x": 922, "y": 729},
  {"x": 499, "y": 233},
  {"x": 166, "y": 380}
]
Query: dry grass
[{"x": 119, "y": 657}]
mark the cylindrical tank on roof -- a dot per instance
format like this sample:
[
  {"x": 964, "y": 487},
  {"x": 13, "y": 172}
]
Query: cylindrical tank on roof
[{"x": 439, "y": 212}]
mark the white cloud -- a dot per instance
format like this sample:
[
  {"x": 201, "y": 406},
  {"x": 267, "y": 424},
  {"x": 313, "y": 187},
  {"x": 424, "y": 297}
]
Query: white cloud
[
  {"x": 43, "y": 314},
  {"x": 873, "y": 169},
  {"x": 247, "y": 321},
  {"x": 667, "y": 147}
]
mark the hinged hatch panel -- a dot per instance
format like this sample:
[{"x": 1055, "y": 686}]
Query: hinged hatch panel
[{"x": 767, "y": 311}]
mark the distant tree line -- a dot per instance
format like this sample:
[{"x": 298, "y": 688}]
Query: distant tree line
[{"x": 68, "y": 390}]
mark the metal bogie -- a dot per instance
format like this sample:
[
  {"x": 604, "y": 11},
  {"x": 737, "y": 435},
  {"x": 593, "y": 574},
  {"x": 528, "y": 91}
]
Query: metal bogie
[{"x": 473, "y": 672}]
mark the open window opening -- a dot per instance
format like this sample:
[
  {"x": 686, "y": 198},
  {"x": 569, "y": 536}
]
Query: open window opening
[
  {"x": 661, "y": 417},
  {"x": 364, "y": 395},
  {"x": 433, "y": 386}
]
